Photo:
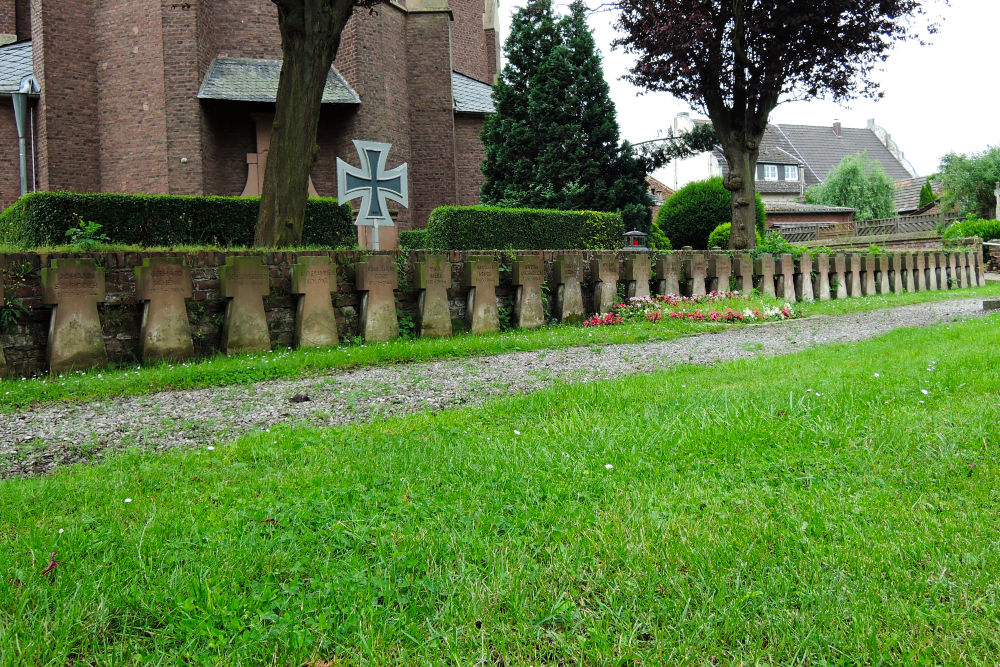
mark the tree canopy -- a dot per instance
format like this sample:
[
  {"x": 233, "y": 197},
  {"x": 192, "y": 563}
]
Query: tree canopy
[
  {"x": 970, "y": 182},
  {"x": 737, "y": 59},
  {"x": 860, "y": 183}
]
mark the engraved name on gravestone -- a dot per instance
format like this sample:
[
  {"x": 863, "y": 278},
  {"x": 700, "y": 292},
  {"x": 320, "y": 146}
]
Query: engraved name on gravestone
[
  {"x": 839, "y": 276},
  {"x": 527, "y": 274},
  {"x": 867, "y": 275},
  {"x": 604, "y": 272},
  {"x": 784, "y": 281},
  {"x": 803, "y": 277},
  {"x": 569, "y": 294},
  {"x": 376, "y": 277},
  {"x": 433, "y": 275},
  {"x": 693, "y": 265},
  {"x": 763, "y": 269},
  {"x": 314, "y": 279},
  {"x": 74, "y": 287},
  {"x": 668, "y": 274},
  {"x": 743, "y": 268},
  {"x": 720, "y": 268},
  {"x": 374, "y": 185},
  {"x": 638, "y": 273},
  {"x": 163, "y": 283},
  {"x": 854, "y": 274},
  {"x": 244, "y": 281},
  {"x": 821, "y": 276},
  {"x": 482, "y": 278}
]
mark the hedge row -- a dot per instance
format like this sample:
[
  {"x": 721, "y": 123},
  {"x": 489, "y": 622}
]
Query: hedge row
[
  {"x": 987, "y": 230},
  {"x": 42, "y": 219},
  {"x": 488, "y": 227}
]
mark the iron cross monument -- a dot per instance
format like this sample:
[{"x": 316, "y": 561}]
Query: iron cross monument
[{"x": 373, "y": 184}]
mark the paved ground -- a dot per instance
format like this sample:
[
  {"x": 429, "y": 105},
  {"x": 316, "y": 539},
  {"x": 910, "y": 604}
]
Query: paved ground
[{"x": 34, "y": 441}]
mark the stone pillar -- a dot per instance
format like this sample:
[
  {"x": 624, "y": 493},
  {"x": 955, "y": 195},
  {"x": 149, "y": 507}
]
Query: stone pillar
[
  {"x": 668, "y": 274},
  {"x": 3, "y": 362},
  {"x": 854, "y": 271},
  {"x": 604, "y": 273},
  {"x": 743, "y": 269},
  {"x": 163, "y": 284},
  {"x": 481, "y": 278},
  {"x": 785, "y": 280},
  {"x": 763, "y": 269},
  {"x": 74, "y": 287},
  {"x": 693, "y": 266},
  {"x": 896, "y": 272},
  {"x": 569, "y": 295},
  {"x": 803, "y": 277},
  {"x": 720, "y": 268},
  {"x": 637, "y": 273},
  {"x": 868, "y": 281},
  {"x": 821, "y": 276},
  {"x": 840, "y": 275},
  {"x": 244, "y": 281},
  {"x": 528, "y": 273},
  {"x": 909, "y": 271},
  {"x": 433, "y": 276},
  {"x": 919, "y": 270},
  {"x": 962, "y": 268},
  {"x": 882, "y": 273},
  {"x": 376, "y": 277}
]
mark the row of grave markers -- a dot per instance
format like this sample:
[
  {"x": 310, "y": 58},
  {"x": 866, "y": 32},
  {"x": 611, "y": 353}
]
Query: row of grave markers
[{"x": 74, "y": 287}]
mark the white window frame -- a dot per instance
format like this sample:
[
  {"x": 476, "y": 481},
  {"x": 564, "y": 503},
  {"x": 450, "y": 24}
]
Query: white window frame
[
  {"x": 770, "y": 172},
  {"x": 791, "y": 172}
]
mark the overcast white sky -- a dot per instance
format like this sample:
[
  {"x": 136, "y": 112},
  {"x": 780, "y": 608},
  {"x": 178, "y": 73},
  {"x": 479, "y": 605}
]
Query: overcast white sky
[{"x": 938, "y": 98}]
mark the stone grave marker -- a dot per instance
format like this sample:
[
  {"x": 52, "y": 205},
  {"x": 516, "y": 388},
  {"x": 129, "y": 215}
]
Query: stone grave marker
[
  {"x": 314, "y": 279},
  {"x": 668, "y": 274},
  {"x": 763, "y": 268},
  {"x": 433, "y": 276},
  {"x": 569, "y": 295},
  {"x": 604, "y": 271},
  {"x": 884, "y": 285},
  {"x": 163, "y": 283},
  {"x": 743, "y": 269},
  {"x": 76, "y": 341},
  {"x": 839, "y": 276},
  {"x": 896, "y": 272},
  {"x": 803, "y": 277},
  {"x": 693, "y": 264},
  {"x": 784, "y": 281},
  {"x": 376, "y": 277},
  {"x": 963, "y": 269},
  {"x": 821, "y": 276},
  {"x": 528, "y": 274},
  {"x": 868, "y": 278},
  {"x": 973, "y": 269},
  {"x": 720, "y": 268},
  {"x": 482, "y": 278},
  {"x": 638, "y": 274},
  {"x": 909, "y": 271},
  {"x": 980, "y": 266},
  {"x": 936, "y": 272},
  {"x": 245, "y": 281},
  {"x": 919, "y": 270},
  {"x": 854, "y": 277},
  {"x": 3, "y": 360}
]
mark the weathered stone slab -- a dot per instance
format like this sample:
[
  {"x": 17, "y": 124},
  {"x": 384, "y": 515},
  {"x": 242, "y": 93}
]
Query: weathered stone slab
[
  {"x": 314, "y": 279},
  {"x": 896, "y": 272},
  {"x": 963, "y": 269},
  {"x": 3, "y": 361},
  {"x": 569, "y": 294},
  {"x": 839, "y": 290},
  {"x": 694, "y": 269},
  {"x": 821, "y": 276},
  {"x": 528, "y": 274},
  {"x": 909, "y": 271},
  {"x": 763, "y": 269},
  {"x": 991, "y": 304},
  {"x": 376, "y": 277},
  {"x": 784, "y": 280},
  {"x": 638, "y": 274},
  {"x": 245, "y": 281},
  {"x": 920, "y": 270},
  {"x": 74, "y": 287},
  {"x": 883, "y": 283},
  {"x": 720, "y": 269},
  {"x": 803, "y": 277},
  {"x": 604, "y": 271},
  {"x": 482, "y": 277},
  {"x": 433, "y": 277},
  {"x": 970, "y": 262},
  {"x": 668, "y": 274},
  {"x": 980, "y": 266},
  {"x": 855, "y": 269},
  {"x": 163, "y": 283},
  {"x": 743, "y": 269},
  {"x": 936, "y": 272},
  {"x": 868, "y": 282}
]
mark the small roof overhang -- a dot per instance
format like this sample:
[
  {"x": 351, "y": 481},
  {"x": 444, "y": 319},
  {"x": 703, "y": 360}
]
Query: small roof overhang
[
  {"x": 17, "y": 69},
  {"x": 471, "y": 96},
  {"x": 256, "y": 80}
]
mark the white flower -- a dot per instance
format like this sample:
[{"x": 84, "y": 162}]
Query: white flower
[
  {"x": 921, "y": 402},
  {"x": 808, "y": 390},
  {"x": 128, "y": 500},
  {"x": 877, "y": 375},
  {"x": 210, "y": 448},
  {"x": 609, "y": 466},
  {"x": 924, "y": 392},
  {"x": 516, "y": 432},
  {"x": 61, "y": 531}
]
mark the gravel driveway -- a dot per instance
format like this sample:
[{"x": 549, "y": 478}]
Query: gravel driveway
[{"x": 35, "y": 441}]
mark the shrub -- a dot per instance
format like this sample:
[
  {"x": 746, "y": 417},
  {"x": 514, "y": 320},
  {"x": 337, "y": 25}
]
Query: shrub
[
  {"x": 720, "y": 236},
  {"x": 413, "y": 239},
  {"x": 987, "y": 230},
  {"x": 492, "y": 228},
  {"x": 690, "y": 214},
  {"x": 776, "y": 244},
  {"x": 43, "y": 218}
]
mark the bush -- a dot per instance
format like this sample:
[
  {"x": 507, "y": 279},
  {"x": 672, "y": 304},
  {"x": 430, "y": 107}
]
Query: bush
[
  {"x": 492, "y": 228},
  {"x": 987, "y": 230},
  {"x": 43, "y": 218},
  {"x": 413, "y": 239},
  {"x": 859, "y": 183},
  {"x": 720, "y": 236},
  {"x": 690, "y": 214}
]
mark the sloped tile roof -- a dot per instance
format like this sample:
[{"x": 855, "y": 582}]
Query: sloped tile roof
[
  {"x": 795, "y": 207},
  {"x": 471, "y": 96},
  {"x": 254, "y": 80},
  {"x": 908, "y": 192},
  {"x": 16, "y": 62}
]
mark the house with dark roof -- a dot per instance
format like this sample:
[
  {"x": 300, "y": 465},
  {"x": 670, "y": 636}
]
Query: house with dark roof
[{"x": 908, "y": 196}]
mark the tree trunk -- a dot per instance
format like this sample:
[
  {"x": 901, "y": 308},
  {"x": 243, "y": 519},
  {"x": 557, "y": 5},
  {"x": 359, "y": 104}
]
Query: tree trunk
[
  {"x": 310, "y": 37},
  {"x": 742, "y": 159}
]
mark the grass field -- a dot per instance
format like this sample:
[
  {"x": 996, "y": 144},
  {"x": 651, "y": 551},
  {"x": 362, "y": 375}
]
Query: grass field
[
  {"x": 244, "y": 369},
  {"x": 840, "y": 506}
]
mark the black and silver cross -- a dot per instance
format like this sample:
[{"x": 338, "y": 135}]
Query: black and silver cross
[{"x": 373, "y": 184}]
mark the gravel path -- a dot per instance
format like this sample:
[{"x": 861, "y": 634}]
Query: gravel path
[{"x": 35, "y": 441}]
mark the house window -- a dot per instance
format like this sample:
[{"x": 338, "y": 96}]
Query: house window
[
  {"x": 770, "y": 172},
  {"x": 791, "y": 173}
]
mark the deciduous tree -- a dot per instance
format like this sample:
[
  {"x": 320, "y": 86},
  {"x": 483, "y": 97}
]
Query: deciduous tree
[
  {"x": 860, "y": 183},
  {"x": 970, "y": 182}
]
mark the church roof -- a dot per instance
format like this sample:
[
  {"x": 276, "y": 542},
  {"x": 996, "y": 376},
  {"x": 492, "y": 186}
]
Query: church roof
[
  {"x": 471, "y": 96},
  {"x": 16, "y": 63},
  {"x": 256, "y": 80}
]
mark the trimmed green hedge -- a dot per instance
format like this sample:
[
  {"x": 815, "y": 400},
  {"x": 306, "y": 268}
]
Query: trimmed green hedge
[
  {"x": 493, "y": 228},
  {"x": 413, "y": 239},
  {"x": 987, "y": 230},
  {"x": 42, "y": 218}
]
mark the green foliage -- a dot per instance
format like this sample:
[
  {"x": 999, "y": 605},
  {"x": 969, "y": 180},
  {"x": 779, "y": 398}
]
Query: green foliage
[
  {"x": 775, "y": 244},
  {"x": 970, "y": 182},
  {"x": 927, "y": 195},
  {"x": 987, "y": 230},
  {"x": 413, "y": 239},
  {"x": 554, "y": 141},
  {"x": 493, "y": 228},
  {"x": 859, "y": 183},
  {"x": 44, "y": 218},
  {"x": 720, "y": 236},
  {"x": 690, "y": 215},
  {"x": 86, "y": 235},
  {"x": 658, "y": 240}
]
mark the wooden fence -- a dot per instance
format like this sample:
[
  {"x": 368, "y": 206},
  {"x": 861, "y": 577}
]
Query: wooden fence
[{"x": 884, "y": 227}]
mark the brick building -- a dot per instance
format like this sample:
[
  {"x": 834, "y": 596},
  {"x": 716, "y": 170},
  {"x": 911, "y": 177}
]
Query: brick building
[{"x": 164, "y": 96}]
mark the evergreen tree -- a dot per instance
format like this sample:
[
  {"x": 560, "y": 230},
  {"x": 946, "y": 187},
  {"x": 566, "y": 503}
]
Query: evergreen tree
[{"x": 927, "y": 195}]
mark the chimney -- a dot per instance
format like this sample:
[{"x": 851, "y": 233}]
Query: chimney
[{"x": 836, "y": 126}]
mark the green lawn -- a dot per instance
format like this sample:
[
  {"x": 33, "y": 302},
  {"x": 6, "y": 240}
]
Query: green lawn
[
  {"x": 840, "y": 505},
  {"x": 244, "y": 369}
]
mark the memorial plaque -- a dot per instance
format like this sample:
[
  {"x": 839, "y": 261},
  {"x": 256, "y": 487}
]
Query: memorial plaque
[
  {"x": 569, "y": 295},
  {"x": 376, "y": 277},
  {"x": 919, "y": 270},
  {"x": 528, "y": 274},
  {"x": 74, "y": 287},
  {"x": 909, "y": 271},
  {"x": 433, "y": 275},
  {"x": 803, "y": 277},
  {"x": 763, "y": 268},
  {"x": 163, "y": 283},
  {"x": 784, "y": 281},
  {"x": 604, "y": 272},
  {"x": 668, "y": 275},
  {"x": 743, "y": 268},
  {"x": 840, "y": 276},
  {"x": 868, "y": 275},
  {"x": 693, "y": 266},
  {"x": 896, "y": 272},
  {"x": 884, "y": 286},
  {"x": 314, "y": 279},
  {"x": 482, "y": 278},
  {"x": 720, "y": 269},
  {"x": 821, "y": 276},
  {"x": 3, "y": 361},
  {"x": 245, "y": 281},
  {"x": 638, "y": 273},
  {"x": 854, "y": 277}
]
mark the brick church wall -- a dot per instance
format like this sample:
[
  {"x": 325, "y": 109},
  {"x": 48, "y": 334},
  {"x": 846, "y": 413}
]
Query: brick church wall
[
  {"x": 23, "y": 21},
  {"x": 10, "y": 167},
  {"x": 8, "y": 17},
  {"x": 468, "y": 41},
  {"x": 469, "y": 156}
]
